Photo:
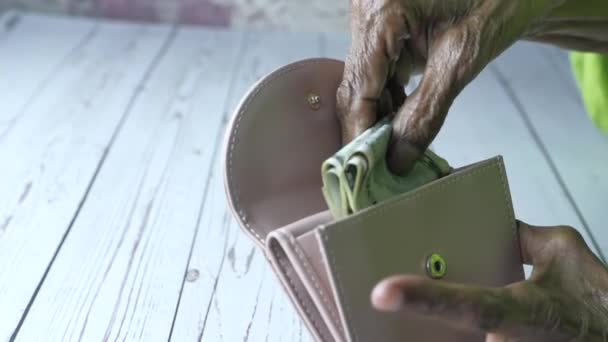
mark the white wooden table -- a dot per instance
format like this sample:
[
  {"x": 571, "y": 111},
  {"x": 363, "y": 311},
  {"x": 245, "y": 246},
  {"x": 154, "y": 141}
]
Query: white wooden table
[{"x": 113, "y": 221}]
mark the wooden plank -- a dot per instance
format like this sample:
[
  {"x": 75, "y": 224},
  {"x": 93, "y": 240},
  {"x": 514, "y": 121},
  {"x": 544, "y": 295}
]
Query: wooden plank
[
  {"x": 29, "y": 60},
  {"x": 237, "y": 297},
  {"x": 484, "y": 122},
  {"x": 540, "y": 80},
  {"x": 54, "y": 147},
  {"x": 120, "y": 271}
]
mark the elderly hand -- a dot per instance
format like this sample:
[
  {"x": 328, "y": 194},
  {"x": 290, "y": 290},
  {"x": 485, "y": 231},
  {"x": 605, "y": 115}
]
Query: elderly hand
[
  {"x": 450, "y": 42},
  {"x": 565, "y": 299}
]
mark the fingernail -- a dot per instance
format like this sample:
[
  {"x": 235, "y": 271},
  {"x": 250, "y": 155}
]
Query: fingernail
[{"x": 387, "y": 298}]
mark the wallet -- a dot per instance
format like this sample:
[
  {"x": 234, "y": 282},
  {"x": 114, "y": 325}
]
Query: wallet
[{"x": 457, "y": 228}]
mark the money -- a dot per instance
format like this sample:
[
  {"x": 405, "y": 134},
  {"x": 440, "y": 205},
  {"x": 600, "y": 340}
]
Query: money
[{"x": 358, "y": 177}]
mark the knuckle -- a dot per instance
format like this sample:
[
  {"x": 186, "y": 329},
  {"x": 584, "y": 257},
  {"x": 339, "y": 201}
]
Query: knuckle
[
  {"x": 567, "y": 237},
  {"x": 489, "y": 314},
  {"x": 343, "y": 98}
]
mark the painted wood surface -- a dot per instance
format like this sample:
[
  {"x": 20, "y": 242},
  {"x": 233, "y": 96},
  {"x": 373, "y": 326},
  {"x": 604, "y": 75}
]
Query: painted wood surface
[
  {"x": 57, "y": 120},
  {"x": 120, "y": 272},
  {"x": 113, "y": 219},
  {"x": 540, "y": 80},
  {"x": 482, "y": 123},
  {"x": 40, "y": 58}
]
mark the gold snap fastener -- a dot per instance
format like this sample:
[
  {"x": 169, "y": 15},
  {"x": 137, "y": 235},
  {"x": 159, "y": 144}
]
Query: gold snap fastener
[
  {"x": 436, "y": 267},
  {"x": 314, "y": 101}
]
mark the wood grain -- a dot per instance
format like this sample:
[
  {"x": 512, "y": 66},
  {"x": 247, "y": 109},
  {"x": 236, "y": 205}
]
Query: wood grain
[
  {"x": 57, "y": 122},
  {"x": 483, "y": 122},
  {"x": 29, "y": 60},
  {"x": 119, "y": 273},
  {"x": 237, "y": 297}
]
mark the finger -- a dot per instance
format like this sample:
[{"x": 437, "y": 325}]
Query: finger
[
  {"x": 455, "y": 57},
  {"x": 394, "y": 96},
  {"x": 519, "y": 337},
  {"x": 376, "y": 48},
  {"x": 391, "y": 99},
  {"x": 385, "y": 105},
  {"x": 474, "y": 308},
  {"x": 532, "y": 240},
  {"x": 500, "y": 338},
  {"x": 399, "y": 78},
  {"x": 540, "y": 245}
]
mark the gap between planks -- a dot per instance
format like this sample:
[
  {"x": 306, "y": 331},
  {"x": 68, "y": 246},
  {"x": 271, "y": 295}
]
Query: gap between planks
[
  {"x": 137, "y": 91},
  {"x": 215, "y": 159},
  {"x": 536, "y": 136},
  {"x": 146, "y": 253},
  {"x": 41, "y": 143},
  {"x": 551, "y": 100}
]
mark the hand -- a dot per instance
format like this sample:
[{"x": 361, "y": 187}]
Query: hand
[
  {"x": 565, "y": 298},
  {"x": 450, "y": 42}
]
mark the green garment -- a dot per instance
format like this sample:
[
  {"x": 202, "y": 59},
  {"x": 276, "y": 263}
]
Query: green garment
[{"x": 591, "y": 73}]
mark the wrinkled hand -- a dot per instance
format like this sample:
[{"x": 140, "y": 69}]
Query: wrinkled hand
[
  {"x": 450, "y": 42},
  {"x": 565, "y": 298}
]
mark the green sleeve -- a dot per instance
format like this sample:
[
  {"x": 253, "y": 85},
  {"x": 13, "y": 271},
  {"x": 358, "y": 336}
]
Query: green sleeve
[{"x": 591, "y": 74}]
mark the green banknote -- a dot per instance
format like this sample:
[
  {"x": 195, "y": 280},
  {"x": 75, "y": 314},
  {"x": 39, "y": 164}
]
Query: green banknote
[{"x": 357, "y": 176}]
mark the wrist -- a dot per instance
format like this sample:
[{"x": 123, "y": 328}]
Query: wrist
[
  {"x": 573, "y": 24},
  {"x": 586, "y": 10}
]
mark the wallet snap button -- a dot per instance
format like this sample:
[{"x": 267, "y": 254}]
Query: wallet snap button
[
  {"x": 314, "y": 101},
  {"x": 436, "y": 267}
]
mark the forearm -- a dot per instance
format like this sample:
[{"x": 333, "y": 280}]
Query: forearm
[{"x": 576, "y": 24}]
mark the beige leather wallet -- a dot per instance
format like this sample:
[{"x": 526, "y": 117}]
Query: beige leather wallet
[{"x": 459, "y": 228}]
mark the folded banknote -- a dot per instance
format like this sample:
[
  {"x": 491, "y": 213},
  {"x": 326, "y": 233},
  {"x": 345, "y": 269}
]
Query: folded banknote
[{"x": 357, "y": 176}]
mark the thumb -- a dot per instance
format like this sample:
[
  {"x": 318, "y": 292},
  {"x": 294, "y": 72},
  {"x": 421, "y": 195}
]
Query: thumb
[
  {"x": 470, "y": 307},
  {"x": 455, "y": 57}
]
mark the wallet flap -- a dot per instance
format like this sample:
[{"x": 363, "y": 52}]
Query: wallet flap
[
  {"x": 283, "y": 130},
  {"x": 466, "y": 218}
]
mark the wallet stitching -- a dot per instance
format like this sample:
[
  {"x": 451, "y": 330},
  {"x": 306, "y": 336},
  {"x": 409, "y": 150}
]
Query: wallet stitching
[
  {"x": 284, "y": 265},
  {"x": 234, "y": 139},
  {"x": 316, "y": 284},
  {"x": 510, "y": 211},
  {"x": 412, "y": 196}
]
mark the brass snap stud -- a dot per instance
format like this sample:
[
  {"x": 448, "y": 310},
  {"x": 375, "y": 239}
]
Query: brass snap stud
[
  {"x": 314, "y": 101},
  {"x": 436, "y": 267}
]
